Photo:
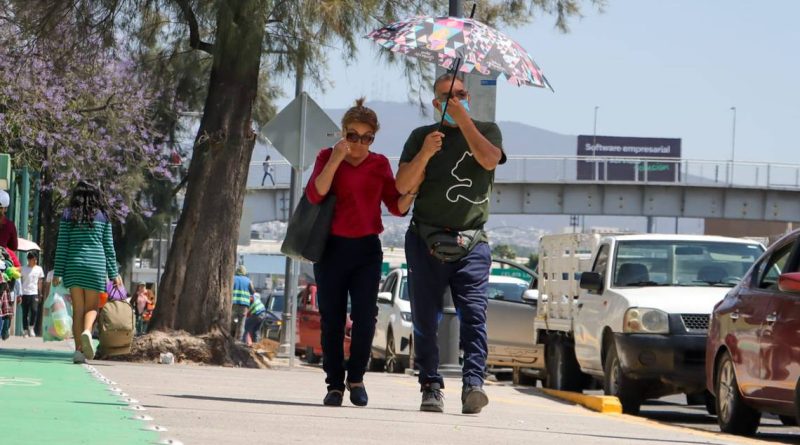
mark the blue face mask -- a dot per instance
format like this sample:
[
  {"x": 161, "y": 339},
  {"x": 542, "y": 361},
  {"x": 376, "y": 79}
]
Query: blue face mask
[{"x": 447, "y": 117}]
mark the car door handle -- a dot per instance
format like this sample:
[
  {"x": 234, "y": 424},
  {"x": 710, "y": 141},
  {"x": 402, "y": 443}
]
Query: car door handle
[
  {"x": 772, "y": 318},
  {"x": 734, "y": 315}
]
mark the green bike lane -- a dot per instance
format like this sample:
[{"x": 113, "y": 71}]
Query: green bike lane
[{"x": 46, "y": 399}]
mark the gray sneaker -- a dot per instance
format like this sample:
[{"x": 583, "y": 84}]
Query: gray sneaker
[
  {"x": 432, "y": 398},
  {"x": 473, "y": 399}
]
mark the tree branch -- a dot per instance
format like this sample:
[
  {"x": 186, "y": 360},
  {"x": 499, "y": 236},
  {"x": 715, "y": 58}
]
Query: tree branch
[
  {"x": 194, "y": 32},
  {"x": 100, "y": 108}
]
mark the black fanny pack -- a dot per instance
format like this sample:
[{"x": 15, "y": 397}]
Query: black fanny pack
[{"x": 448, "y": 245}]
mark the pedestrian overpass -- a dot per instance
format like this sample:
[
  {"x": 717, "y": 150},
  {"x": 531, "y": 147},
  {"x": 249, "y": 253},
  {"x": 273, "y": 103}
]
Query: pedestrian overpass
[{"x": 549, "y": 185}]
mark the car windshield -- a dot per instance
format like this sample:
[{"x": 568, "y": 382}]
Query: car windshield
[
  {"x": 275, "y": 303},
  {"x": 682, "y": 263},
  {"x": 507, "y": 291},
  {"x": 404, "y": 289}
]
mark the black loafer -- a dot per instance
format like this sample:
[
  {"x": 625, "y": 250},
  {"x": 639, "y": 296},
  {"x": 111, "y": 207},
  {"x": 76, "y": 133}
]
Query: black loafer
[
  {"x": 358, "y": 395},
  {"x": 333, "y": 398}
]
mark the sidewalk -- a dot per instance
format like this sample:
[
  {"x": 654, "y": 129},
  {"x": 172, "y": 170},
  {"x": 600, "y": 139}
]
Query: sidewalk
[
  {"x": 46, "y": 399},
  {"x": 214, "y": 405}
]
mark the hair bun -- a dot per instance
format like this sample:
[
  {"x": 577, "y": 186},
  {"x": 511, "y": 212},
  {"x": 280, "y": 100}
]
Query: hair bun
[{"x": 360, "y": 102}]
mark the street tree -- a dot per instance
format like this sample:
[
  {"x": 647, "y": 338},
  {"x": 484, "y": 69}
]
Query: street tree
[{"x": 244, "y": 43}]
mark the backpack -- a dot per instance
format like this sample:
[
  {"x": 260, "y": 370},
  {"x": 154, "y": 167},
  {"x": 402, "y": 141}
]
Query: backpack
[{"x": 115, "y": 323}]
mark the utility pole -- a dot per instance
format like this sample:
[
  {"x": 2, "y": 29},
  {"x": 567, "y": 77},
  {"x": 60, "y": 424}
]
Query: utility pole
[
  {"x": 288, "y": 333},
  {"x": 733, "y": 142},
  {"x": 595, "y": 169}
]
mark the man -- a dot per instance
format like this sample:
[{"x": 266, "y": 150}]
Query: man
[
  {"x": 256, "y": 316},
  {"x": 8, "y": 231},
  {"x": 242, "y": 291},
  {"x": 452, "y": 172},
  {"x": 32, "y": 279}
]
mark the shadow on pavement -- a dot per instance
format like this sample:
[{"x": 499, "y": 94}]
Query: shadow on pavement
[{"x": 268, "y": 402}]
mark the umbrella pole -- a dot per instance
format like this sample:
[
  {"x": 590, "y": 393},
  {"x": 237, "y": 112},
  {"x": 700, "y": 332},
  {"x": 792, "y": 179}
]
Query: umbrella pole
[{"x": 450, "y": 92}]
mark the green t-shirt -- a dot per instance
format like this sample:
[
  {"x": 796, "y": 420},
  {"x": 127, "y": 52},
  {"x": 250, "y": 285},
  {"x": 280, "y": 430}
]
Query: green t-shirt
[{"x": 456, "y": 191}]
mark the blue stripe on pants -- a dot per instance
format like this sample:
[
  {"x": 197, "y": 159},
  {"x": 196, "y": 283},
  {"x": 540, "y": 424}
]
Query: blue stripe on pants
[{"x": 468, "y": 280}]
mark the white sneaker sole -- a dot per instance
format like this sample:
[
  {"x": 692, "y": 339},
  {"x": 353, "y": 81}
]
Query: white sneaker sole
[{"x": 87, "y": 346}]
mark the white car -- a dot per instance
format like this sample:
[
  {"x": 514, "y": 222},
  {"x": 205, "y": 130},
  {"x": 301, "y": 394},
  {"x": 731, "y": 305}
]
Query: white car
[{"x": 393, "y": 344}]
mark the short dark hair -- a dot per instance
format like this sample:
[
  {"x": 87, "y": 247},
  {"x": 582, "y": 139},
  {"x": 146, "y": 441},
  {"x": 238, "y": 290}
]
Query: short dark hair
[
  {"x": 448, "y": 76},
  {"x": 32, "y": 256}
]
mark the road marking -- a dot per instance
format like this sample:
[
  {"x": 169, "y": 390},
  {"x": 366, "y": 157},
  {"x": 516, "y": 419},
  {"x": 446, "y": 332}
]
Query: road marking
[{"x": 19, "y": 381}]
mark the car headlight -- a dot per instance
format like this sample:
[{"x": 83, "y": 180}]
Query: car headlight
[
  {"x": 406, "y": 316},
  {"x": 646, "y": 321}
]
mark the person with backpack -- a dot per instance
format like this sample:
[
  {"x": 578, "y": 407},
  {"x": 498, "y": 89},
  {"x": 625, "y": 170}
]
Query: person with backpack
[{"x": 85, "y": 260}]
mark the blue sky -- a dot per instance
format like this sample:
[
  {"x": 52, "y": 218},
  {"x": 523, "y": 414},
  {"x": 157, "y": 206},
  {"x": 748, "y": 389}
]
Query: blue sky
[{"x": 655, "y": 68}]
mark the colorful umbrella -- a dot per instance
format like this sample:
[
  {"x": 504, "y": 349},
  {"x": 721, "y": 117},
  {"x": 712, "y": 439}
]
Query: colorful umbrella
[{"x": 464, "y": 44}]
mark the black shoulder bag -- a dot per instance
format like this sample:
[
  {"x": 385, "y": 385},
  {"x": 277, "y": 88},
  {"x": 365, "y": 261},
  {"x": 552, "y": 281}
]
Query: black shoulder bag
[{"x": 308, "y": 229}]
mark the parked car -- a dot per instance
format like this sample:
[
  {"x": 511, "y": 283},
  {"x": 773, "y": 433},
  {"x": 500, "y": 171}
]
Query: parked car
[
  {"x": 393, "y": 343},
  {"x": 309, "y": 327},
  {"x": 274, "y": 302},
  {"x": 753, "y": 349}
]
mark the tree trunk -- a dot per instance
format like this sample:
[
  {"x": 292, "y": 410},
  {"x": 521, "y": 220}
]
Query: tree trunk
[{"x": 195, "y": 291}]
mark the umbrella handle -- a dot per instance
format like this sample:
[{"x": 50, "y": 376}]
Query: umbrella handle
[{"x": 450, "y": 92}]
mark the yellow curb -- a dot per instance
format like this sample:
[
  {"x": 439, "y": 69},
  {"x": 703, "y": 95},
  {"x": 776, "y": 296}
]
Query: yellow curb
[{"x": 601, "y": 404}]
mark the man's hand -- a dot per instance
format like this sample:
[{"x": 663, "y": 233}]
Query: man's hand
[
  {"x": 340, "y": 150},
  {"x": 457, "y": 111},
  {"x": 432, "y": 143}
]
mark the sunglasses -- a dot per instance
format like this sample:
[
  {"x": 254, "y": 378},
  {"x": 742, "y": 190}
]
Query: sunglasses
[
  {"x": 460, "y": 94},
  {"x": 365, "y": 139}
]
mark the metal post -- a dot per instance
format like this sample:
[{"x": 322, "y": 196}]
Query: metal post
[
  {"x": 25, "y": 197},
  {"x": 733, "y": 142},
  {"x": 448, "y": 338},
  {"x": 596, "y": 168},
  {"x": 651, "y": 224}
]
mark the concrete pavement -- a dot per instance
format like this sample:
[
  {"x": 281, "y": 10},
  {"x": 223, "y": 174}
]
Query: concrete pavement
[{"x": 212, "y": 405}]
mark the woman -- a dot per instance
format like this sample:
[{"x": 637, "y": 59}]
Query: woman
[
  {"x": 351, "y": 264},
  {"x": 85, "y": 260}
]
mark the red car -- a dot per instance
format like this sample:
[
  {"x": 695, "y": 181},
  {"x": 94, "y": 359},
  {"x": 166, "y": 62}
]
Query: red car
[
  {"x": 753, "y": 350},
  {"x": 309, "y": 327}
]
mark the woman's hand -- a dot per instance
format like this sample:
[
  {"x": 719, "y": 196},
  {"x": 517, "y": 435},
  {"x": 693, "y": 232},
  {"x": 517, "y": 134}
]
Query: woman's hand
[
  {"x": 56, "y": 281},
  {"x": 118, "y": 281},
  {"x": 340, "y": 150}
]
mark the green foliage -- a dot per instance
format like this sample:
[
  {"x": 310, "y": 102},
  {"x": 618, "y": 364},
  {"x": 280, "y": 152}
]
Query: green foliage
[{"x": 504, "y": 251}]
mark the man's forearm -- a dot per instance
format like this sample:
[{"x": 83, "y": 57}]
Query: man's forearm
[
  {"x": 411, "y": 174},
  {"x": 486, "y": 154}
]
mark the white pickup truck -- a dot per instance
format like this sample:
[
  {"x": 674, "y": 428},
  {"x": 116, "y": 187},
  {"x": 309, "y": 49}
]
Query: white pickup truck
[{"x": 632, "y": 311}]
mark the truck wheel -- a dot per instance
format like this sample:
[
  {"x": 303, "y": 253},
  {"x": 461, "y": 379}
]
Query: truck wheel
[
  {"x": 734, "y": 416},
  {"x": 616, "y": 383},
  {"x": 704, "y": 398},
  {"x": 563, "y": 372}
]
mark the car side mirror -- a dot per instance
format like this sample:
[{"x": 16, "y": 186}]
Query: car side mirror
[
  {"x": 385, "y": 297},
  {"x": 531, "y": 296},
  {"x": 592, "y": 281},
  {"x": 789, "y": 282}
]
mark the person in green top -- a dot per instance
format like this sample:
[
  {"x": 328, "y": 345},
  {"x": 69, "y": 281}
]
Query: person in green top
[
  {"x": 85, "y": 261},
  {"x": 451, "y": 172},
  {"x": 256, "y": 316}
]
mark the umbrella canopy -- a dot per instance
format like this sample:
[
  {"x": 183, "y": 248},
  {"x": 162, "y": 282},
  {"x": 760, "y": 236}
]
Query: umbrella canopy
[
  {"x": 24, "y": 245},
  {"x": 478, "y": 47}
]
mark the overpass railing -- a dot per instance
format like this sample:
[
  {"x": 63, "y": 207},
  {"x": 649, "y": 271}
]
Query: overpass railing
[{"x": 589, "y": 169}]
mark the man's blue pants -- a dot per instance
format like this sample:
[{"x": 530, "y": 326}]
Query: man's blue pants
[{"x": 468, "y": 280}]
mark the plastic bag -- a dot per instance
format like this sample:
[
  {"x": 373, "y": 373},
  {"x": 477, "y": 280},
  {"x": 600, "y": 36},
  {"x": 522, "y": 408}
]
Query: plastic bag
[{"x": 57, "y": 315}]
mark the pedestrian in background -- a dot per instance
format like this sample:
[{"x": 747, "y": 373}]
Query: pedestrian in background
[
  {"x": 242, "y": 291},
  {"x": 85, "y": 261},
  {"x": 453, "y": 169},
  {"x": 8, "y": 231},
  {"x": 140, "y": 305},
  {"x": 351, "y": 265},
  {"x": 256, "y": 315},
  {"x": 32, "y": 282},
  {"x": 268, "y": 171}
]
